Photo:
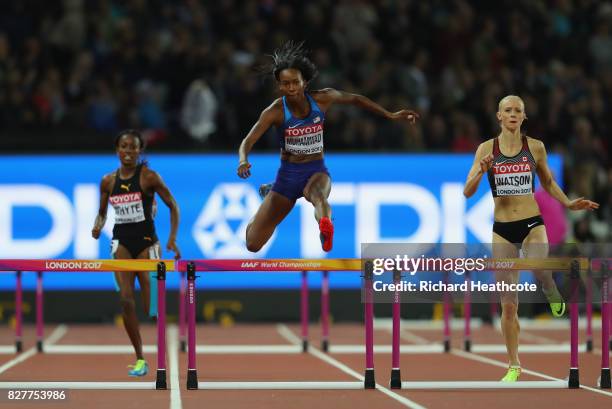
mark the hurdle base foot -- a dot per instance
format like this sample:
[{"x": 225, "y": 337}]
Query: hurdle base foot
[
  {"x": 18, "y": 346},
  {"x": 369, "y": 382},
  {"x": 396, "y": 379},
  {"x": 604, "y": 381},
  {"x": 39, "y": 346},
  {"x": 589, "y": 345},
  {"x": 467, "y": 345},
  {"x": 325, "y": 345},
  {"x": 192, "y": 379},
  {"x": 304, "y": 345},
  {"x": 160, "y": 381},
  {"x": 573, "y": 381},
  {"x": 447, "y": 345},
  {"x": 183, "y": 346}
]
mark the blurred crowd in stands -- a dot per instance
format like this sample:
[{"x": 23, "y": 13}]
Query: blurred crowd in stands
[{"x": 73, "y": 72}]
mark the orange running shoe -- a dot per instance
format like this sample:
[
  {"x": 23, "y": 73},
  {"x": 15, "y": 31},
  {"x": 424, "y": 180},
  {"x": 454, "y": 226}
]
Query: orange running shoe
[{"x": 327, "y": 233}]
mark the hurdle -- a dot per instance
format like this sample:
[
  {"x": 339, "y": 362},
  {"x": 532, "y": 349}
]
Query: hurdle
[
  {"x": 571, "y": 265},
  {"x": 18, "y": 347},
  {"x": 606, "y": 315},
  {"x": 88, "y": 266},
  {"x": 468, "y": 346},
  {"x": 276, "y": 265}
]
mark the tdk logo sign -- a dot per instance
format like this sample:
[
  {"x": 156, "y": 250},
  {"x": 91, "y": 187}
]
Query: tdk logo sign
[
  {"x": 220, "y": 227},
  {"x": 49, "y": 212}
]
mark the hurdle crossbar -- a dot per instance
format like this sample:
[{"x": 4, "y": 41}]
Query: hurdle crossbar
[
  {"x": 77, "y": 385},
  {"x": 105, "y": 265},
  {"x": 281, "y": 385},
  {"x": 357, "y": 264},
  {"x": 484, "y": 385}
]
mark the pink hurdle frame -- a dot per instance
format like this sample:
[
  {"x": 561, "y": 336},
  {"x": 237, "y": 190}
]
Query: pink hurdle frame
[
  {"x": 18, "y": 313},
  {"x": 161, "y": 326},
  {"x": 39, "y": 312},
  {"x": 606, "y": 316},
  {"x": 304, "y": 310},
  {"x": 160, "y": 382},
  {"x": 182, "y": 316},
  {"x": 467, "y": 316},
  {"x": 325, "y": 311}
]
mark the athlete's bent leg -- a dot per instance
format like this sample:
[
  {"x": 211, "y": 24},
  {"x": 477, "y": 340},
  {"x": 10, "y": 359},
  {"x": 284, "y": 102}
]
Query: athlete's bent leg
[
  {"x": 535, "y": 246},
  {"x": 317, "y": 191},
  {"x": 273, "y": 210}
]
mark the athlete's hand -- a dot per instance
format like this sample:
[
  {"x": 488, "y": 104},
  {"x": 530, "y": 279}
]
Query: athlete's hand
[
  {"x": 244, "y": 170},
  {"x": 581, "y": 204},
  {"x": 171, "y": 246},
  {"x": 486, "y": 163},
  {"x": 405, "y": 114},
  {"x": 95, "y": 232}
]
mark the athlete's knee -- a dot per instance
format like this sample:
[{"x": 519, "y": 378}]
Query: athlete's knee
[
  {"x": 315, "y": 196},
  {"x": 127, "y": 303},
  {"x": 509, "y": 308},
  {"x": 252, "y": 244}
]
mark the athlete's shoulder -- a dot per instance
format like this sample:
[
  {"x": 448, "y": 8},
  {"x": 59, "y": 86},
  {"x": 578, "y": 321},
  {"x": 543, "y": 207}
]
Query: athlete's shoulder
[
  {"x": 324, "y": 93},
  {"x": 108, "y": 180},
  {"x": 274, "y": 111},
  {"x": 533, "y": 142},
  {"x": 536, "y": 147},
  {"x": 148, "y": 174},
  {"x": 487, "y": 145}
]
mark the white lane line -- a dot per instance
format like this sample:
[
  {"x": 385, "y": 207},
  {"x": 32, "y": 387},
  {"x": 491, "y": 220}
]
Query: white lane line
[
  {"x": 502, "y": 364},
  {"x": 56, "y": 335},
  {"x": 285, "y": 332},
  {"x": 527, "y": 336},
  {"x": 175, "y": 387},
  {"x": 412, "y": 337},
  {"x": 59, "y": 332}
]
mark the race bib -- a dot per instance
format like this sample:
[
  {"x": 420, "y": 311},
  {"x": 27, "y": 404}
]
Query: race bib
[
  {"x": 304, "y": 140},
  {"x": 128, "y": 208},
  {"x": 513, "y": 179}
]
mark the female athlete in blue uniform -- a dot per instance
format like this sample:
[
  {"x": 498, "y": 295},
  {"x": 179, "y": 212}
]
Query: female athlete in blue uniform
[
  {"x": 131, "y": 191},
  {"x": 299, "y": 119},
  {"x": 511, "y": 161}
]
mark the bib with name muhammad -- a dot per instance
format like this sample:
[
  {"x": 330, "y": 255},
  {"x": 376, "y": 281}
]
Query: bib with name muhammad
[
  {"x": 302, "y": 136},
  {"x": 512, "y": 176}
]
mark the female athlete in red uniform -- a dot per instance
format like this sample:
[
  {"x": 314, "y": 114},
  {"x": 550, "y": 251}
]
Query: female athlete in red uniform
[{"x": 511, "y": 161}]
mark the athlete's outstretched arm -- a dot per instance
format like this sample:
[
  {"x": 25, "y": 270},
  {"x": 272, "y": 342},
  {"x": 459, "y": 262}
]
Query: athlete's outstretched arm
[
  {"x": 102, "y": 210},
  {"x": 154, "y": 180},
  {"x": 268, "y": 117},
  {"x": 548, "y": 182},
  {"x": 330, "y": 96},
  {"x": 482, "y": 163}
]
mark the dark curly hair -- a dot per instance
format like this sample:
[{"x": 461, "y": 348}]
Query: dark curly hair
[
  {"x": 136, "y": 134},
  {"x": 292, "y": 55}
]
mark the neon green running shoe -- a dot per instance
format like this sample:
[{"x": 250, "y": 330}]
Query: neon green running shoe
[
  {"x": 140, "y": 369},
  {"x": 557, "y": 308},
  {"x": 556, "y": 302},
  {"x": 512, "y": 375}
]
